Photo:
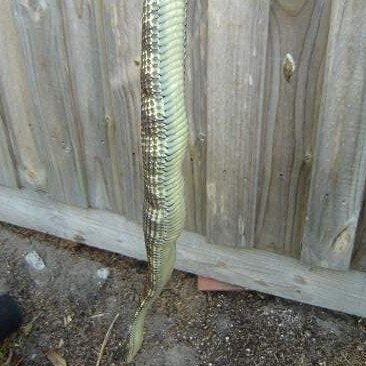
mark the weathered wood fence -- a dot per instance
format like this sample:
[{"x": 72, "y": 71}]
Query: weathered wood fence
[{"x": 276, "y": 168}]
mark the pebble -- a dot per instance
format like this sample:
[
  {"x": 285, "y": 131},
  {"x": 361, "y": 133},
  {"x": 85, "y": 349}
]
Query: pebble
[
  {"x": 103, "y": 273},
  {"x": 35, "y": 261}
]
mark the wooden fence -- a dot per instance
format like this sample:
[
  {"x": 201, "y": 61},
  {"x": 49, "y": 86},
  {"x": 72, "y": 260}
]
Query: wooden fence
[{"x": 276, "y": 168}]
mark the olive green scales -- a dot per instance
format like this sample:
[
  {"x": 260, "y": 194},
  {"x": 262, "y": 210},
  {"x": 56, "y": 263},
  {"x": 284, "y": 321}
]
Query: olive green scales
[{"x": 164, "y": 136}]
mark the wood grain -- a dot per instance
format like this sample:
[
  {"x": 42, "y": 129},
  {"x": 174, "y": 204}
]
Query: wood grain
[
  {"x": 358, "y": 262},
  {"x": 8, "y": 173},
  {"x": 274, "y": 165},
  {"x": 92, "y": 105},
  {"x": 339, "y": 173},
  {"x": 251, "y": 268},
  {"x": 19, "y": 146},
  {"x": 237, "y": 39},
  {"x": 119, "y": 24},
  {"x": 47, "y": 64},
  {"x": 196, "y": 100},
  {"x": 290, "y": 114}
]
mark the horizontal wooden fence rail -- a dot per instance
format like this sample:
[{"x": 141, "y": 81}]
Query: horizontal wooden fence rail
[
  {"x": 276, "y": 167},
  {"x": 251, "y": 268}
]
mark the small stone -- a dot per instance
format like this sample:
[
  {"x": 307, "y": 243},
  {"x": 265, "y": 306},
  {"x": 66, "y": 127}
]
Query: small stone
[
  {"x": 67, "y": 320},
  {"x": 61, "y": 343},
  {"x": 227, "y": 339},
  {"x": 35, "y": 261},
  {"x": 103, "y": 273}
]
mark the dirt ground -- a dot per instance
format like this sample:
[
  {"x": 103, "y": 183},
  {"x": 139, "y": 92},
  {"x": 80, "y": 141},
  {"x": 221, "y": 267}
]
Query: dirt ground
[{"x": 71, "y": 295}]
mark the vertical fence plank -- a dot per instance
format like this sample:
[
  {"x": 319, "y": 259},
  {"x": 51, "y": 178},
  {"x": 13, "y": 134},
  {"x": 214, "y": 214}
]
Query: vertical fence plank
[
  {"x": 358, "y": 262},
  {"x": 40, "y": 27},
  {"x": 291, "y": 110},
  {"x": 120, "y": 40},
  {"x": 237, "y": 42},
  {"x": 16, "y": 113},
  {"x": 339, "y": 172},
  {"x": 92, "y": 101},
  {"x": 196, "y": 87},
  {"x": 8, "y": 173}
]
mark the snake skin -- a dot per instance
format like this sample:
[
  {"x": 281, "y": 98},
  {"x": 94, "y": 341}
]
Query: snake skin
[{"x": 164, "y": 134}]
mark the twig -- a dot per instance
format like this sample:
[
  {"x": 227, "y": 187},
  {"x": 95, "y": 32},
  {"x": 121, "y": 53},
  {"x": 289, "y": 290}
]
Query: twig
[
  {"x": 106, "y": 337},
  {"x": 98, "y": 315},
  {"x": 20, "y": 361}
]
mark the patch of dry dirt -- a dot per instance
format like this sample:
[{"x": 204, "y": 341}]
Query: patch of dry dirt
[{"x": 69, "y": 306}]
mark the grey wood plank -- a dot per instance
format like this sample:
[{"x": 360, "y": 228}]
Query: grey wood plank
[
  {"x": 91, "y": 101},
  {"x": 8, "y": 173},
  {"x": 291, "y": 111},
  {"x": 119, "y": 25},
  {"x": 237, "y": 42},
  {"x": 19, "y": 149},
  {"x": 45, "y": 53},
  {"x": 252, "y": 268},
  {"x": 196, "y": 97},
  {"x": 358, "y": 262},
  {"x": 339, "y": 173},
  {"x": 115, "y": 177}
]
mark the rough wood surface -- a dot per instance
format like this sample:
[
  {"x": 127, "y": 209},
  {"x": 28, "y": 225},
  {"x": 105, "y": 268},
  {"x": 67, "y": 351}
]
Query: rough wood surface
[
  {"x": 276, "y": 161},
  {"x": 196, "y": 99},
  {"x": 339, "y": 173},
  {"x": 80, "y": 32},
  {"x": 291, "y": 107},
  {"x": 358, "y": 262},
  {"x": 8, "y": 173},
  {"x": 16, "y": 110},
  {"x": 235, "y": 88},
  {"x": 119, "y": 33},
  {"x": 251, "y": 268},
  {"x": 81, "y": 72},
  {"x": 44, "y": 51}
]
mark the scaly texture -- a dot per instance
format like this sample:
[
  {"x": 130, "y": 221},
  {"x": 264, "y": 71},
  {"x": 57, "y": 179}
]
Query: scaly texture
[{"x": 164, "y": 140}]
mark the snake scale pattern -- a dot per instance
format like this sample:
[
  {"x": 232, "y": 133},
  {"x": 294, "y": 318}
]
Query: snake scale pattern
[{"x": 164, "y": 136}]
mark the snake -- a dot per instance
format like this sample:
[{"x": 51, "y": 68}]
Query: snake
[{"x": 164, "y": 139}]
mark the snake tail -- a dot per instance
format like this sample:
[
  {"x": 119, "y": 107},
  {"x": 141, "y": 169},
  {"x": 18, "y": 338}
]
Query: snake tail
[{"x": 164, "y": 137}]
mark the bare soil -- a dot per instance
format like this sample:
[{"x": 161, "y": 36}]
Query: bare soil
[{"x": 68, "y": 308}]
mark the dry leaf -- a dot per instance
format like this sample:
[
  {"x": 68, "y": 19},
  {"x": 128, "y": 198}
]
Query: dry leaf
[
  {"x": 56, "y": 359},
  {"x": 27, "y": 328}
]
